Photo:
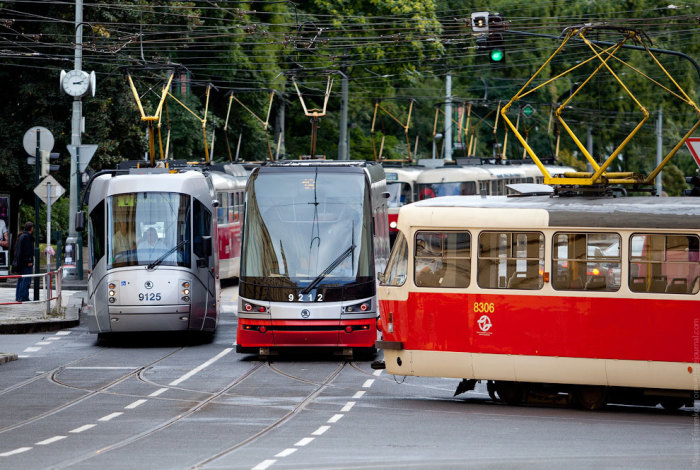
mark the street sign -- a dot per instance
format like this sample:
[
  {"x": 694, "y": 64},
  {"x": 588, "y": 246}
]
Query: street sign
[
  {"x": 42, "y": 189},
  {"x": 30, "y": 140},
  {"x": 528, "y": 110},
  {"x": 693, "y": 144},
  {"x": 86, "y": 153}
]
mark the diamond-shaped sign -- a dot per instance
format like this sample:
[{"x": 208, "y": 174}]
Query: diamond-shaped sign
[
  {"x": 49, "y": 184},
  {"x": 528, "y": 110}
]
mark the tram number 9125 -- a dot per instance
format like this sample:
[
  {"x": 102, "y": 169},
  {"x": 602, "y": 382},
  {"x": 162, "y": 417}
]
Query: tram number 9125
[
  {"x": 310, "y": 298},
  {"x": 149, "y": 297}
]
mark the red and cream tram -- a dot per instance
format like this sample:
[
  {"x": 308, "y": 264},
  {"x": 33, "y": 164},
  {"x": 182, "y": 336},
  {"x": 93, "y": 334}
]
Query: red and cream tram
[
  {"x": 402, "y": 188},
  {"x": 595, "y": 300}
]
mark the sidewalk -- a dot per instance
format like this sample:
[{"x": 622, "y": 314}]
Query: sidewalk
[{"x": 30, "y": 317}]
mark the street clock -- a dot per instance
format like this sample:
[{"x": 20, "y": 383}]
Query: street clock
[{"x": 77, "y": 83}]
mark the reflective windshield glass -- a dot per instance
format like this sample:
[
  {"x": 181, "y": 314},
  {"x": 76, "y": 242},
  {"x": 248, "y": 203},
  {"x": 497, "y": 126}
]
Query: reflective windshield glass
[
  {"x": 306, "y": 232},
  {"x": 399, "y": 194},
  {"x": 142, "y": 227}
]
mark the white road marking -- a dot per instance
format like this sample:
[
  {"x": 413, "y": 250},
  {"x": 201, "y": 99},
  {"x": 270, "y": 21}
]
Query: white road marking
[
  {"x": 359, "y": 394},
  {"x": 43, "y": 343},
  {"x": 31, "y": 349},
  {"x": 52, "y": 338},
  {"x": 264, "y": 464},
  {"x": 22, "y": 356},
  {"x": 82, "y": 428},
  {"x": 305, "y": 441},
  {"x": 368, "y": 383},
  {"x": 63, "y": 333},
  {"x": 50, "y": 440},
  {"x": 320, "y": 430},
  {"x": 378, "y": 372},
  {"x": 335, "y": 418},
  {"x": 348, "y": 406},
  {"x": 200, "y": 367},
  {"x": 133, "y": 405},
  {"x": 286, "y": 452},
  {"x": 111, "y": 416},
  {"x": 16, "y": 451},
  {"x": 158, "y": 392}
]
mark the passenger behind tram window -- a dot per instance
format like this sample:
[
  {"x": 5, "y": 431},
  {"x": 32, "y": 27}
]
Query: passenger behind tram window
[
  {"x": 150, "y": 247},
  {"x": 123, "y": 238}
]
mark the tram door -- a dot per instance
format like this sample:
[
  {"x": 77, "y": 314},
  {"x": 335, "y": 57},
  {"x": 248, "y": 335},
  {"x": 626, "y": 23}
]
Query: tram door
[{"x": 204, "y": 309}]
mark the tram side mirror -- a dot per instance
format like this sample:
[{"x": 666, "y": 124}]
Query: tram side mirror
[
  {"x": 386, "y": 194},
  {"x": 80, "y": 221},
  {"x": 215, "y": 203}
]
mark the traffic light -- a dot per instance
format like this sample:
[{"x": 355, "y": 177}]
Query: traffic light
[
  {"x": 46, "y": 166},
  {"x": 494, "y": 45},
  {"x": 489, "y": 27}
]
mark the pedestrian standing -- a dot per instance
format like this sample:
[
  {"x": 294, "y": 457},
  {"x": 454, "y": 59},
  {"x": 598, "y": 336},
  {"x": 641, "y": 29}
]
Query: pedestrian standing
[{"x": 25, "y": 262}]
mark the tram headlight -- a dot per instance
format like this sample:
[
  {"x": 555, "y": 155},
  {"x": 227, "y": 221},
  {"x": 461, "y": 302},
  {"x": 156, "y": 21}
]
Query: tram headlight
[
  {"x": 185, "y": 292},
  {"x": 112, "y": 300},
  {"x": 186, "y": 298},
  {"x": 186, "y": 285},
  {"x": 112, "y": 293},
  {"x": 112, "y": 285},
  {"x": 392, "y": 224},
  {"x": 358, "y": 308},
  {"x": 248, "y": 307}
]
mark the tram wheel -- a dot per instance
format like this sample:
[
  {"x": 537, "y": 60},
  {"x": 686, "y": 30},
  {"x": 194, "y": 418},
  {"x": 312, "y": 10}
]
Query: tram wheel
[
  {"x": 589, "y": 397},
  {"x": 671, "y": 404},
  {"x": 511, "y": 393}
]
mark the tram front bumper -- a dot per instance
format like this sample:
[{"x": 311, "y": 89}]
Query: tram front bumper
[
  {"x": 360, "y": 333},
  {"x": 156, "y": 318}
]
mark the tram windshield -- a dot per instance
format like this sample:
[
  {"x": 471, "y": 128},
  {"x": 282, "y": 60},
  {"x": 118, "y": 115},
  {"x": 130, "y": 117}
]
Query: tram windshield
[
  {"x": 431, "y": 190},
  {"x": 399, "y": 194},
  {"x": 307, "y": 235},
  {"x": 148, "y": 229}
]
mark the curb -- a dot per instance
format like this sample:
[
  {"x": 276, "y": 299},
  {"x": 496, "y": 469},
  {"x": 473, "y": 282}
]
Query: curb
[
  {"x": 7, "y": 357},
  {"x": 36, "y": 327}
]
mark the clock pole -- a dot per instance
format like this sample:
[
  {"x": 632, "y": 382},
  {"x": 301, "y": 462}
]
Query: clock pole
[{"x": 75, "y": 138}]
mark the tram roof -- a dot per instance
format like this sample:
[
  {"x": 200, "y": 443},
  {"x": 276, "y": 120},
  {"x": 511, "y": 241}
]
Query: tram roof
[{"x": 628, "y": 212}]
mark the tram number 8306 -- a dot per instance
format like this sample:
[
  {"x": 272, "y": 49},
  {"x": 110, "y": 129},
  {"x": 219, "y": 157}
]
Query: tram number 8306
[
  {"x": 149, "y": 297},
  {"x": 484, "y": 307}
]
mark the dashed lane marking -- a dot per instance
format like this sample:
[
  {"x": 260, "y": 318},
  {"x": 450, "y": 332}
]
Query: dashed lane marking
[
  {"x": 368, "y": 383},
  {"x": 158, "y": 392},
  {"x": 32, "y": 349},
  {"x": 50, "y": 440},
  {"x": 377, "y": 372},
  {"x": 133, "y": 405},
  {"x": 335, "y": 418},
  {"x": 359, "y": 394},
  {"x": 82, "y": 428},
  {"x": 320, "y": 430},
  {"x": 63, "y": 333},
  {"x": 348, "y": 406},
  {"x": 304, "y": 442},
  {"x": 110, "y": 416},
  {"x": 286, "y": 452},
  {"x": 264, "y": 464},
  {"x": 16, "y": 451},
  {"x": 43, "y": 343}
]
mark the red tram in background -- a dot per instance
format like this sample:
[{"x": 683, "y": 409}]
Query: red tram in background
[
  {"x": 401, "y": 185},
  {"x": 229, "y": 182},
  {"x": 591, "y": 300}
]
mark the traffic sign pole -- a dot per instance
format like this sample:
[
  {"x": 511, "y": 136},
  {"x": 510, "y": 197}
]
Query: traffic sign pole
[{"x": 37, "y": 260}]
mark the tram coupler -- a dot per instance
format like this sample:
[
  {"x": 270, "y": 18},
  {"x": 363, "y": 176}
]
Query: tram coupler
[
  {"x": 464, "y": 386},
  {"x": 378, "y": 365}
]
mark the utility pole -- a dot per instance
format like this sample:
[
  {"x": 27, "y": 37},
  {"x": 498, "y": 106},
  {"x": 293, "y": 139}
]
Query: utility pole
[
  {"x": 448, "y": 116},
  {"x": 659, "y": 148},
  {"x": 75, "y": 138},
  {"x": 343, "y": 138}
]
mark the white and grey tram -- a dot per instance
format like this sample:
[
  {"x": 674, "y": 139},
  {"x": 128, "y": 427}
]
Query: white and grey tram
[
  {"x": 315, "y": 234},
  {"x": 153, "y": 266}
]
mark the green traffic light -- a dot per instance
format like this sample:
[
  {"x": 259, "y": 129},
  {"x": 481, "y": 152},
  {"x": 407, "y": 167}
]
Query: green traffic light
[{"x": 497, "y": 55}]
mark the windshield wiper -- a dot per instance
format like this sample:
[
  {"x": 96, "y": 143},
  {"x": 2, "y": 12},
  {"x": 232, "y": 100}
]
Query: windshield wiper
[
  {"x": 166, "y": 254},
  {"x": 329, "y": 269}
]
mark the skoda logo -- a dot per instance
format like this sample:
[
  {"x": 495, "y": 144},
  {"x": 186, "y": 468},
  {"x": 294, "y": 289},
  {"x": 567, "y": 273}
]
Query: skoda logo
[
  {"x": 305, "y": 313},
  {"x": 148, "y": 285}
]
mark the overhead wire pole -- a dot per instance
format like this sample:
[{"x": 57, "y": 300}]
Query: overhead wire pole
[{"x": 75, "y": 140}]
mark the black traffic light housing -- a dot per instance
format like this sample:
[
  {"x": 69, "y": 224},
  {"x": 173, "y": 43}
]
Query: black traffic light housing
[{"x": 489, "y": 27}]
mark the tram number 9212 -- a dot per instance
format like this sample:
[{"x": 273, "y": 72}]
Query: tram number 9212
[
  {"x": 309, "y": 298},
  {"x": 149, "y": 297}
]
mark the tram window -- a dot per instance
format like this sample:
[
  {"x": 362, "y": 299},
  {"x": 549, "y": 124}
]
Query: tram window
[
  {"x": 511, "y": 260},
  {"x": 442, "y": 259},
  {"x": 202, "y": 228},
  {"x": 586, "y": 261},
  {"x": 662, "y": 263},
  {"x": 97, "y": 232},
  {"x": 397, "y": 267}
]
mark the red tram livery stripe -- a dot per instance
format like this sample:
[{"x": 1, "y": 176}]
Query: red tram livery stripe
[{"x": 597, "y": 328}]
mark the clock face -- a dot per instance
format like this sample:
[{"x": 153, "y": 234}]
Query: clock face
[{"x": 76, "y": 82}]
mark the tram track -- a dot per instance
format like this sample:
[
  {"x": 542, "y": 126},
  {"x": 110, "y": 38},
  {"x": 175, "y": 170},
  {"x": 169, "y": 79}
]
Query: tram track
[
  {"x": 164, "y": 425},
  {"x": 297, "y": 409},
  {"x": 51, "y": 375}
]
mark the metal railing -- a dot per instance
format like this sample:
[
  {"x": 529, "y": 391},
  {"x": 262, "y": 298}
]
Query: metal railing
[{"x": 50, "y": 292}]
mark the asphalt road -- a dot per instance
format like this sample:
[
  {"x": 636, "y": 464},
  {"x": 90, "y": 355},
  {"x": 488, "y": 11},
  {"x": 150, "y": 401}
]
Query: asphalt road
[{"x": 167, "y": 402}]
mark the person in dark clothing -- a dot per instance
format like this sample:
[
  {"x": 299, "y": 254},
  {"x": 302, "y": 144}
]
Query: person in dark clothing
[{"x": 25, "y": 262}]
